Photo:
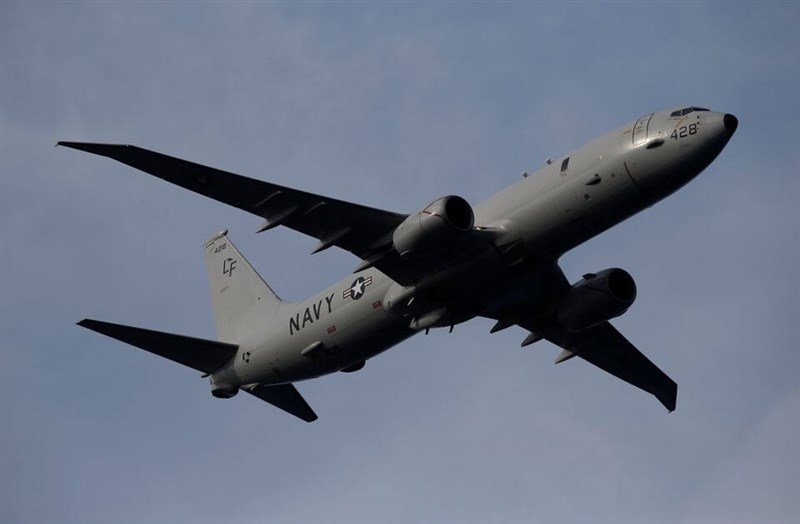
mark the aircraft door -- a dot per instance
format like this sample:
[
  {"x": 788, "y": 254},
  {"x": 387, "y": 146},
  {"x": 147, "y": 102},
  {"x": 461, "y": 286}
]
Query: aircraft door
[{"x": 640, "y": 129}]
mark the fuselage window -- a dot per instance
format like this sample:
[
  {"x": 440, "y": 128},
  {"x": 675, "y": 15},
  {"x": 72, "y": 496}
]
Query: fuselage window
[{"x": 564, "y": 165}]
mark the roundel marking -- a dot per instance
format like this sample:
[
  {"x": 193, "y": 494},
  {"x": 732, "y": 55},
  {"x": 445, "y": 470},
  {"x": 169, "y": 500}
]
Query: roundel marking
[{"x": 357, "y": 288}]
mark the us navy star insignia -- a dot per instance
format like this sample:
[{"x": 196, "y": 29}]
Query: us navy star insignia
[{"x": 357, "y": 288}]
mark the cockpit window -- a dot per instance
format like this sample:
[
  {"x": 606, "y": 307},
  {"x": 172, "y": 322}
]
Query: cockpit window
[
  {"x": 686, "y": 111},
  {"x": 564, "y": 165}
]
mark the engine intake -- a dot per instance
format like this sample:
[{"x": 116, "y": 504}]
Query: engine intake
[
  {"x": 597, "y": 298},
  {"x": 434, "y": 228}
]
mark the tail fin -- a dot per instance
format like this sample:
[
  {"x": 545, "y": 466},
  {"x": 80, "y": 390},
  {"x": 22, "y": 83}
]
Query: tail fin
[{"x": 239, "y": 295}]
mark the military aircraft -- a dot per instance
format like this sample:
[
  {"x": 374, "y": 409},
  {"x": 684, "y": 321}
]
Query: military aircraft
[{"x": 413, "y": 266}]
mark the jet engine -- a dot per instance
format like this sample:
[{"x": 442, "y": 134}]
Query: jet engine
[
  {"x": 434, "y": 228},
  {"x": 597, "y": 298}
]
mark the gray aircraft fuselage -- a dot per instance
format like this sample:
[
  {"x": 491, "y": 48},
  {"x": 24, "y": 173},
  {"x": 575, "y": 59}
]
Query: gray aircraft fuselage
[{"x": 539, "y": 218}]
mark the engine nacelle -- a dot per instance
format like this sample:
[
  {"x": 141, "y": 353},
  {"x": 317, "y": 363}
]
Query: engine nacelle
[
  {"x": 222, "y": 390},
  {"x": 597, "y": 298},
  {"x": 434, "y": 228}
]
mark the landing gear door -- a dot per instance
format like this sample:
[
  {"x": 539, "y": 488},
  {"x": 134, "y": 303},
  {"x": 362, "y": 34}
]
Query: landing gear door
[{"x": 640, "y": 129}]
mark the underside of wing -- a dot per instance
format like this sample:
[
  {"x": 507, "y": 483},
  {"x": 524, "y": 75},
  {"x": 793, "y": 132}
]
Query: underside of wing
[
  {"x": 608, "y": 349},
  {"x": 203, "y": 355},
  {"x": 362, "y": 230},
  {"x": 285, "y": 397},
  {"x": 601, "y": 345}
]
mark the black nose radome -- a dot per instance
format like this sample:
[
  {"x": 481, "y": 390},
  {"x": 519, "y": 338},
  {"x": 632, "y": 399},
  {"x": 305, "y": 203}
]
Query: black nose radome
[{"x": 731, "y": 123}]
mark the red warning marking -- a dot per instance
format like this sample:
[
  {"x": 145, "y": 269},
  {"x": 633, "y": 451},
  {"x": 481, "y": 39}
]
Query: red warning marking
[
  {"x": 377, "y": 304},
  {"x": 331, "y": 329}
]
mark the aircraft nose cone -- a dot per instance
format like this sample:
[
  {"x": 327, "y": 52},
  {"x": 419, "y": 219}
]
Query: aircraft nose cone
[{"x": 731, "y": 123}]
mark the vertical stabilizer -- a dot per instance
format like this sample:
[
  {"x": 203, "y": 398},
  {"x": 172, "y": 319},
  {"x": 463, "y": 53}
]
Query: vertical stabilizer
[{"x": 241, "y": 298}]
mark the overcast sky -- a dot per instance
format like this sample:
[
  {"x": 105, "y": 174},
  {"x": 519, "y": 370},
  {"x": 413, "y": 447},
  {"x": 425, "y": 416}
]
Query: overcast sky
[{"x": 391, "y": 105}]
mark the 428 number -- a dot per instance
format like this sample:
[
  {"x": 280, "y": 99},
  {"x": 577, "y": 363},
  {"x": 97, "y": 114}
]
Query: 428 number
[{"x": 684, "y": 131}]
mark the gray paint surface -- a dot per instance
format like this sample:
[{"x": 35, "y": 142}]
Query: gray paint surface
[
  {"x": 365, "y": 104},
  {"x": 414, "y": 267}
]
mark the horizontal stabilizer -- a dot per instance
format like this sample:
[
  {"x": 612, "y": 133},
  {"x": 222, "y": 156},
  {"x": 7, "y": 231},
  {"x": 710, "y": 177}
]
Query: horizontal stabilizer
[
  {"x": 285, "y": 397},
  {"x": 197, "y": 353}
]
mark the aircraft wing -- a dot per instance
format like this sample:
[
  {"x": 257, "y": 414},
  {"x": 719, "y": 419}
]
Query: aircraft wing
[
  {"x": 601, "y": 345},
  {"x": 364, "y": 231},
  {"x": 608, "y": 349}
]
